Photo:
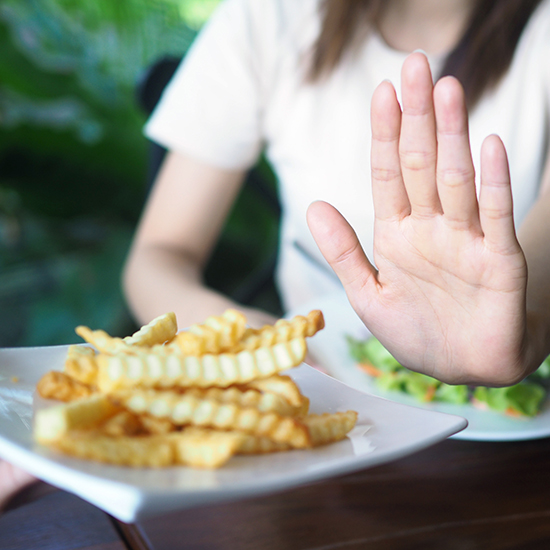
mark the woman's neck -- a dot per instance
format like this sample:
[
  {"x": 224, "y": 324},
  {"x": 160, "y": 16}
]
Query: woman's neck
[{"x": 434, "y": 26}]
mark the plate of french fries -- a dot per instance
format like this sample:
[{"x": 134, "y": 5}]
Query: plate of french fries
[{"x": 166, "y": 419}]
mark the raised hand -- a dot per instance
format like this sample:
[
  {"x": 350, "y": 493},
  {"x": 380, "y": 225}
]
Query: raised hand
[{"x": 447, "y": 297}]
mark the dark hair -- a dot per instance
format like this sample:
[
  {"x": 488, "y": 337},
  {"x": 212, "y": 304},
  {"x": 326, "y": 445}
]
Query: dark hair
[{"x": 479, "y": 60}]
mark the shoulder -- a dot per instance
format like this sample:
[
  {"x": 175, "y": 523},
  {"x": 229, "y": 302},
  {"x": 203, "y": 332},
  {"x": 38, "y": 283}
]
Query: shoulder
[
  {"x": 272, "y": 35},
  {"x": 538, "y": 27},
  {"x": 266, "y": 11},
  {"x": 281, "y": 10},
  {"x": 533, "y": 49},
  {"x": 269, "y": 19}
]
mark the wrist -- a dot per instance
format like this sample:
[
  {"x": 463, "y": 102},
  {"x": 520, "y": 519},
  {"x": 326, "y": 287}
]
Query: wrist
[{"x": 537, "y": 341}]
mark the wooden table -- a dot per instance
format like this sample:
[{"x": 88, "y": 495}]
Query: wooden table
[{"x": 456, "y": 495}]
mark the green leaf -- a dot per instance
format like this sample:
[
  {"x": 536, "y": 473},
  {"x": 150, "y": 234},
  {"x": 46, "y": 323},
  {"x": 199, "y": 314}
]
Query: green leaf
[
  {"x": 524, "y": 398},
  {"x": 458, "y": 395}
]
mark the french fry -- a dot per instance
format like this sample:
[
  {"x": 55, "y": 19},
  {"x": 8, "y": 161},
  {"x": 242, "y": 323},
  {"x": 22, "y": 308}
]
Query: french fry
[
  {"x": 195, "y": 448},
  {"x": 283, "y": 331},
  {"x": 254, "y": 445},
  {"x": 80, "y": 364},
  {"x": 153, "y": 425},
  {"x": 264, "y": 402},
  {"x": 122, "y": 423},
  {"x": 55, "y": 422},
  {"x": 281, "y": 385},
  {"x": 159, "y": 330},
  {"x": 185, "y": 409},
  {"x": 102, "y": 340},
  {"x": 329, "y": 427},
  {"x": 152, "y": 451},
  {"x": 303, "y": 409},
  {"x": 216, "y": 334},
  {"x": 62, "y": 387},
  {"x": 222, "y": 370},
  {"x": 220, "y": 333},
  {"x": 323, "y": 429},
  {"x": 201, "y": 448}
]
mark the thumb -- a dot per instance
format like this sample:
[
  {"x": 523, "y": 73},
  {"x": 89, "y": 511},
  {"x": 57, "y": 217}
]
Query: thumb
[{"x": 341, "y": 248}]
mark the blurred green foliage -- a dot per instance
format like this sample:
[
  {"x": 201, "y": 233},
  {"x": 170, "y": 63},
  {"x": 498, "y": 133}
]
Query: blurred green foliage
[{"x": 73, "y": 160}]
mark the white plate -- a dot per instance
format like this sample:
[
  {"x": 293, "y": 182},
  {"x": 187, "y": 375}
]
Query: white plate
[
  {"x": 330, "y": 350},
  {"x": 385, "y": 431}
]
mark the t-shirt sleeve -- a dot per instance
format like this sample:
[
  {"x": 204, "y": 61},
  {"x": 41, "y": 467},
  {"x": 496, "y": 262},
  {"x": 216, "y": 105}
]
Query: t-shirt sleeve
[{"x": 211, "y": 108}]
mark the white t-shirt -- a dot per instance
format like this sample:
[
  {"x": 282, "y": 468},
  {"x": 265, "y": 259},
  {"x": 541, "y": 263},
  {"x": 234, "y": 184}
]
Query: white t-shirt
[{"x": 241, "y": 89}]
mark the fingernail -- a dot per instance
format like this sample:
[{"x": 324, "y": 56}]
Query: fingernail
[{"x": 420, "y": 50}]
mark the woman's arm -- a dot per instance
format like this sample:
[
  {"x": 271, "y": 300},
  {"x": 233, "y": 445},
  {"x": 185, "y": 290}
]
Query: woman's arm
[
  {"x": 534, "y": 238},
  {"x": 182, "y": 220},
  {"x": 449, "y": 296}
]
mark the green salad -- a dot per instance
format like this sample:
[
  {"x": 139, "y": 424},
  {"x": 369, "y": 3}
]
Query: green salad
[{"x": 523, "y": 399}]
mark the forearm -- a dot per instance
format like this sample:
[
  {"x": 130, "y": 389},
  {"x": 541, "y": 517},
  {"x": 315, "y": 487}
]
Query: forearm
[
  {"x": 534, "y": 239},
  {"x": 158, "y": 280}
]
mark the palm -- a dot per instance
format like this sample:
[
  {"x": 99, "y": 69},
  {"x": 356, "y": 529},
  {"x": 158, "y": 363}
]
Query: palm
[
  {"x": 448, "y": 295},
  {"x": 448, "y": 292}
]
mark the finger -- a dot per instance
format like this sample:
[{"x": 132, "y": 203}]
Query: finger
[
  {"x": 389, "y": 195},
  {"x": 495, "y": 200},
  {"x": 455, "y": 169},
  {"x": 418, "y": 149},
  {"x": 340, "y": 247}
]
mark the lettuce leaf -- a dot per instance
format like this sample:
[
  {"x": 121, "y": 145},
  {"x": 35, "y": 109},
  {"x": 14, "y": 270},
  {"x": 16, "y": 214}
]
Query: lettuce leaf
[{"x": 525, "y": 398}]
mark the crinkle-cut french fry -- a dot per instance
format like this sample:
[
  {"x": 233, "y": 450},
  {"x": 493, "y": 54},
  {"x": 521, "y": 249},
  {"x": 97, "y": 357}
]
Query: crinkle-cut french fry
[
  {"x": 80, "y": 364},
  {"x": 159, "y": 330},
  {"x": 230, "y": 328},
  {"x": 329, "y": 427},
  {"x": 203, "y": 448},
  {"x": 253, "y": 445},
  {"x": 155, "y": 333},
  {"x": 153, "y": 425},
  {"x": 61, "y": 386},
  {"x": 121, "y": 424},
  {"x": 101, "y": 340},
  {"x": 184, "y": 409},
  {"x": 280, "y": 384},
  {"x": 195, "y": 448},
  {"x": 117, "y": 346},
  {"x": 186, "y": 343},
  {"x": 303, "y": 409},
  {"x": 217, "y": 334},
  {"x": 323, "y": 429},
  {"x": 283, "y": 330},
  {"x": 264, "y": 402},
  {"x": 226, "y": 369},
  {"x": 54, "y": 422},
  {"x": 150, "y": 451}
]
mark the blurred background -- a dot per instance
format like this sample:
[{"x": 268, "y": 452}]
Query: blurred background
[{"x": 75, "y": 167}]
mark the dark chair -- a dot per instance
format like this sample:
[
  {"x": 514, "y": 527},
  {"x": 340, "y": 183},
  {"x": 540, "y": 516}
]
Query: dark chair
[{"x": 253, "y": 286}]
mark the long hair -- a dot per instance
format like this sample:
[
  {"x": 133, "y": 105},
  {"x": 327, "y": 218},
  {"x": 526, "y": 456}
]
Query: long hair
[{"x": 481, "y": 57}]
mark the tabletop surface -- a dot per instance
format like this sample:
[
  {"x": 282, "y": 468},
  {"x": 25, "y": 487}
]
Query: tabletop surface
[{"x": 455, "y": 495}]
